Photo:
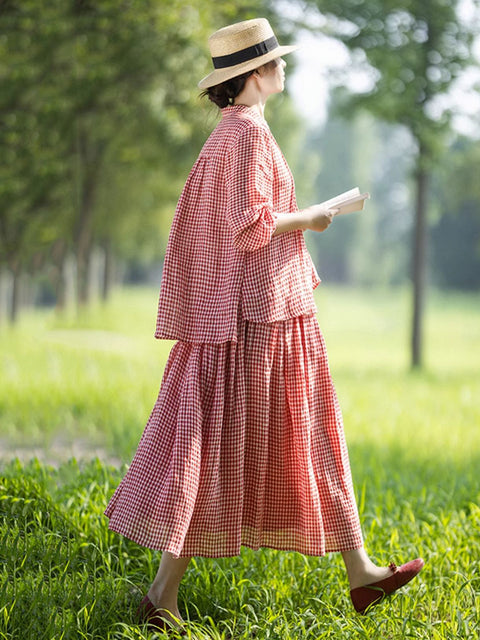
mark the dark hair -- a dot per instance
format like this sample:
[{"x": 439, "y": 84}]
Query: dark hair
[{"x": 225, "y": 93}]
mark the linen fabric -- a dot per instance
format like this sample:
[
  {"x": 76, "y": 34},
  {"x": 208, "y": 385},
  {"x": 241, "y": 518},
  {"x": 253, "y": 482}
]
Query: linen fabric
[
  {"x": 221, "y": 254},
  {"x": 244, "y": 446}
]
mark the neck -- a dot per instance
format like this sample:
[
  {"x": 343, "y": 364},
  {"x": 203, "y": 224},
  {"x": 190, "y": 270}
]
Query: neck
[{"x": 252, "y": 97}]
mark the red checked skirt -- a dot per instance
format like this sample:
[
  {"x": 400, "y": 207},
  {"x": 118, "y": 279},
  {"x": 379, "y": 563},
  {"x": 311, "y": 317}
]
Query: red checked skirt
[{"x": 244, "y": 446}]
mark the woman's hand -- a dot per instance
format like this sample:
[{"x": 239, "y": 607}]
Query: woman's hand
[{"x": 317, "y": 218}]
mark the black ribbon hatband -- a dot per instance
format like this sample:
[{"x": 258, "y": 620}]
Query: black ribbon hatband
[{"x": 260, "y": 49}]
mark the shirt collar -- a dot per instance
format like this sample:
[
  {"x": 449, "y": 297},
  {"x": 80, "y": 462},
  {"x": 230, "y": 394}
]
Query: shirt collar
[{"x": 250, "y": 112}]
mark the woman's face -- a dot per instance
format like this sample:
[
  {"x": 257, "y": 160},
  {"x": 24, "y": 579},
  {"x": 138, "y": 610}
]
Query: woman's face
[{"x": 272, "y": 77}]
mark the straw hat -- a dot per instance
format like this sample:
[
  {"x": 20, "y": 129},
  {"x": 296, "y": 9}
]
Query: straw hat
[{"x": 241, "y": 47}]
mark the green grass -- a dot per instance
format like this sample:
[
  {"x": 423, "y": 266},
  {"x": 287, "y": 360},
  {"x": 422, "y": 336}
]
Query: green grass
[
  {"x": 414, "y": 448},
  {"x": 93, "y": 380}
]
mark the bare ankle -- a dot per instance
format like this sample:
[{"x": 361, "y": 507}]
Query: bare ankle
[{"x": 163, "y": 600}]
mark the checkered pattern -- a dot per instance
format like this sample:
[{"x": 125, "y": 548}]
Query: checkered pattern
[
  {"x": 244, "y": 446},
  {"x": 221, "y": 254}
]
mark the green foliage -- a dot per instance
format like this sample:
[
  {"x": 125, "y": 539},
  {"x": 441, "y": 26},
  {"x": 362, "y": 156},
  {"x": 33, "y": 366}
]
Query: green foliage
[
  {"x": 337, "y": 173},
  {"x": 371, "y": 247},
  {"x": 33, "y": 176},
  {"x": 413, "y": 442},
  {"x": 416, "y": 51},
  {"x": 100, "y": 123},
  {"x": 456, "y": 230}
]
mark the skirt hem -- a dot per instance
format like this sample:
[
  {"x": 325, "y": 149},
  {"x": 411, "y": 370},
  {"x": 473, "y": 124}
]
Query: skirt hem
[{"x": 233, "y": 554}]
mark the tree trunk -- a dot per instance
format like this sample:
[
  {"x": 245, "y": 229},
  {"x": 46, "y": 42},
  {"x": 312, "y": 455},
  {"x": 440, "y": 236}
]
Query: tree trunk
[
  {"x": 65, "y": 283},
  {"x": 59, "y": 275},
  {"x": 61, "y": 289},
  {"x": 419, "y": 261},
  {"x": 108, "y": 270},
  {"x": 5, "y": 296},
  {"x": 89, "y": 156},
  {"x": 83, "y": 273},
  {"x": 15, "y": 295}
]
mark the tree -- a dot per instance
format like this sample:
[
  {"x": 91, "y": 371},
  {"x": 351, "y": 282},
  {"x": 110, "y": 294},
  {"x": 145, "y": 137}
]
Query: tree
[
  {"x": 33, "y": 175},
  {"x": 415, "y": 51},
  {"x": 121, "y": 56},
  {"x": 99, "y": 122}
]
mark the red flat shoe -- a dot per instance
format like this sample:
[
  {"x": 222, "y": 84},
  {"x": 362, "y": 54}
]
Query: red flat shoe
[
  {"x": 371, "y": 594},
  {"x": 148, "y": 613}
]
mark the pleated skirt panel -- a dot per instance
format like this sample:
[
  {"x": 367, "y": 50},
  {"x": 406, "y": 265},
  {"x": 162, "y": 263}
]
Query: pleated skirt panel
[{"x": 244, "y": 446}]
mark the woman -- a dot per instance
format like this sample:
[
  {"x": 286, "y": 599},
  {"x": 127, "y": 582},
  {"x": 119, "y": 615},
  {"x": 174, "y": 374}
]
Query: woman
[{"x": 245, "y": 444}]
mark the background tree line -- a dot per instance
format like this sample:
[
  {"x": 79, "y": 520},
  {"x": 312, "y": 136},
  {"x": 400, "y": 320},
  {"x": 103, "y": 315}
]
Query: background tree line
[
  {"x": 98, "y": 125},
  {"x": 101, "y": 121}
]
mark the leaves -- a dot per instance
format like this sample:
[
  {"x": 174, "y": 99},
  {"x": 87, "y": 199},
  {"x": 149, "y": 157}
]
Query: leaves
[
  {"x": 100, "y": 123},
  {"x": 418, "y": 50}
]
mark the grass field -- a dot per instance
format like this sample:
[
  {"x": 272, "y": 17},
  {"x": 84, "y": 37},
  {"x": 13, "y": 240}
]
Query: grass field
[{"x": 86, "y": 386}]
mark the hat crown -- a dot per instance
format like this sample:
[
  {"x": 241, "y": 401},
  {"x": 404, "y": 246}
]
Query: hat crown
[
  {"x": 239, "y": 36},
  {"x": 242, "y": 47}
]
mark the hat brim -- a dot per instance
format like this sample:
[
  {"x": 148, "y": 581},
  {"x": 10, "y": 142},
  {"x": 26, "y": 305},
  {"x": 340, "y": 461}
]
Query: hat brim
[{"x": 220, "y": 75}]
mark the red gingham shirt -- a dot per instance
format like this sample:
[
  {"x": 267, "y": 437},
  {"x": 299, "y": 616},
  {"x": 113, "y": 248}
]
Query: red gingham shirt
[{"x": 222, "y": 260}]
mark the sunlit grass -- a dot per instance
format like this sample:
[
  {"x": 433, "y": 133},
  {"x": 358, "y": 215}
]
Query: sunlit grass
[
  {"x": 414, "y": 447},
  {"x": 93, "y": 379},
  {"x": 64, "y": 572},
  {"x": 97, "y": 378}
]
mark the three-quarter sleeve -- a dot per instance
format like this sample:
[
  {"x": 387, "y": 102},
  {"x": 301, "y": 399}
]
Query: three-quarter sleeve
[{"x": 249, "y": 183}]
